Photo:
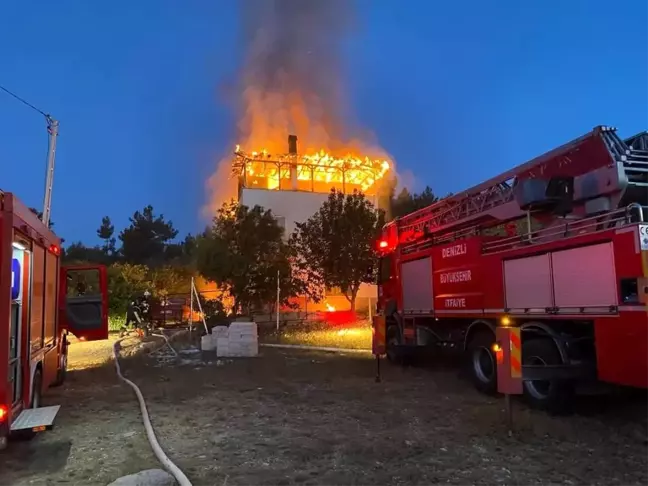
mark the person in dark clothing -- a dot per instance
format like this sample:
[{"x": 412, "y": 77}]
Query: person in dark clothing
[{"x": 137, "y": 313}]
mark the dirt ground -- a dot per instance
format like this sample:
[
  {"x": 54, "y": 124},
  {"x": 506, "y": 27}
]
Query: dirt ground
[{"x": 295, "y": 417}]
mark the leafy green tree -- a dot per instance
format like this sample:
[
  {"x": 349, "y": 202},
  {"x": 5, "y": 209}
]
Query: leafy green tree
[
  {"x": 40, "y": 216},
  {"x": 78, "y": 253},
  {"x": 106, "y": 232},
  {"x": 169, "y": 280},
  {"x": 124, "y": 282},
  {"x": 181, "y": 253},
  {"x": 147, "y": 237},
  {"x": 406, "y": 202},
  {"x": 336, "y": 246},
  {"x": 242, "y": 252}
]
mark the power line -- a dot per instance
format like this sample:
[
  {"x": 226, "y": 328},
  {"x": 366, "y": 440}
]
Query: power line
[{"x": 25, "y": 102}]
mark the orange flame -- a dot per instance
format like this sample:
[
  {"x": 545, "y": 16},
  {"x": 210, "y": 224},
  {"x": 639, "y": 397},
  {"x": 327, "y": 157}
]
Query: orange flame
[
  {"x": 292, "y": 82},
  {"x": 316, "y": 172}
]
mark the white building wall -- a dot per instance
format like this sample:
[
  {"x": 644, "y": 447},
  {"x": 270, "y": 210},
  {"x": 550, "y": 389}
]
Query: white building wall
[{"x": 293, "y": 206}]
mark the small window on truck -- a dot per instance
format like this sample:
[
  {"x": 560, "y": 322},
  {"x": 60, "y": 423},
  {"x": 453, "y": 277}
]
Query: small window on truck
[{"x": 83, "y": 283}]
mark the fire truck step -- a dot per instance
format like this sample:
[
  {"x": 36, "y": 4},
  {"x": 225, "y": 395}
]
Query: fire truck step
[{"x": 36, "y": 419}]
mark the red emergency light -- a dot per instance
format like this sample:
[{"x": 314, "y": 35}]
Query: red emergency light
[
  {"x": 383, "y": 244},
  {"x": 4, "y": 413},
  {"x": 54, "y": 249}
]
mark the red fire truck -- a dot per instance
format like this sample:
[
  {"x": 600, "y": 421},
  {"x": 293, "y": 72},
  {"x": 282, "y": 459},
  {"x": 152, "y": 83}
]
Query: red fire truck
[
  {"x": 42, "y": 302},
  {"x": 557, "y": 248}
]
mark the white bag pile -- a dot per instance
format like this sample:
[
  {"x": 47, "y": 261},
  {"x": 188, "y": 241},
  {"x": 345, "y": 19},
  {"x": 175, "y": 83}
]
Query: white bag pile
[{"x": 239, "y": 340}]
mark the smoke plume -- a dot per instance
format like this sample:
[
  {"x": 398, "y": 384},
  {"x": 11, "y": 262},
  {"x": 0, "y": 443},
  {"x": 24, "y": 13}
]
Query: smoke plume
[{"x": 291, "y": 82}]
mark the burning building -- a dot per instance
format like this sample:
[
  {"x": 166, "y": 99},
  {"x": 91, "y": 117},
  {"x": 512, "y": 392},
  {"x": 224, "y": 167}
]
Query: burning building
[
  {"x": 294, "y": 185},
  {"x": 291, "y": 81}
]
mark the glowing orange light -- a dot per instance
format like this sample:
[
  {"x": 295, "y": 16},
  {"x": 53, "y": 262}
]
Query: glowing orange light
[
  {"x": 496, "y": 348},
  {"x": 383, "y": 244},
  {"x": 4, "y": 412},
  {"x": 329, "y": 307},
  {"x": 309, "y": 171}
]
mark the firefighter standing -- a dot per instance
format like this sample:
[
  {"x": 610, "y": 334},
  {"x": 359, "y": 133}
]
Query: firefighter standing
[{"x": 137, "y": 313}]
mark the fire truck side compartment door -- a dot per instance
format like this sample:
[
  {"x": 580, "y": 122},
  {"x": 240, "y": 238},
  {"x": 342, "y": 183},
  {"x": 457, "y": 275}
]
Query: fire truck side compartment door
[
  {"x": 84, "y": 301},
  {"x": 417, "y": 285}
]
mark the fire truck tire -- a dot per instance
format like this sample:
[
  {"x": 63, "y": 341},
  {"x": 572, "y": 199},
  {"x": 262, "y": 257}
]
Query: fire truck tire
[
  {"x": 61, "y": 374},
  {"x": 393, "y": 340},
  {"x": 555, "y": 396},
  {"x": 37, "y": 390},
  {"x": 37, "y": 393},
  {"x": 481, "y": 363}
]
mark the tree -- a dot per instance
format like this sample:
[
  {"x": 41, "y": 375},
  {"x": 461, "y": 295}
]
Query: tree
[
  {"x": 147, "y": 237},
  {"x": 79, "y": 253},
  {"x": 242, "y": 252},
  {"x": 406, "y": 202},
  {"x": 106, "y": 232},
  {"x": 124, "y": 282},
  {"x": 337, "y": 244},
  {"x": 181, "y": 253},
  {"x": 169, "y": 280},
  {"x": 40, "y": 216}
]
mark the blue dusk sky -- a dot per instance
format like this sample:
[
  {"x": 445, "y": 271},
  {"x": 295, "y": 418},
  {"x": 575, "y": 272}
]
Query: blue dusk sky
[{"x": 455, "y": 91}]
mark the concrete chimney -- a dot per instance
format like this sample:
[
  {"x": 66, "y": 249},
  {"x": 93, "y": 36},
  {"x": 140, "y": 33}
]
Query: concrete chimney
[
  {"x": 292, "y": 144},
  {"x": 292, "y": 150}
]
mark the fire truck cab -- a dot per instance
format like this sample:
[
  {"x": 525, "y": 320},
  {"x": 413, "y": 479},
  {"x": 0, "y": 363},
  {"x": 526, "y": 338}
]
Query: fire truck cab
[
  {"x": 42, "y": 302},
  {"x": 557, "y": 247}
]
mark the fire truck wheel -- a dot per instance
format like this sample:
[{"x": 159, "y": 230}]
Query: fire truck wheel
[
  {"x": 481, "y": 362},
  {"x": 393, "y": 340},
  {"x": 61, "y": 374},
  {"x": 551, "y": 396},
  {"x": 37, "y": 390}
]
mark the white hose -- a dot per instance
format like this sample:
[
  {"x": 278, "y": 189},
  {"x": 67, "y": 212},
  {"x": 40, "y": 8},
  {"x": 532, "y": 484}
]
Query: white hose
[
  {"x": 316, "y": 348},
  {"x": 175, "y": 353},
  {"x": 150, "y": 433}
]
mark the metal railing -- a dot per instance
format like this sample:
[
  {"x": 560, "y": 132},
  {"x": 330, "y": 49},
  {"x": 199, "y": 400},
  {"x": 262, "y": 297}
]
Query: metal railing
[{"x": 632, "y": 214}]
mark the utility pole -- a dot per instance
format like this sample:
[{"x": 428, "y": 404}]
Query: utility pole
[
  {"x": 278, "y": 300},
  {"x": 52, "y": 130}
]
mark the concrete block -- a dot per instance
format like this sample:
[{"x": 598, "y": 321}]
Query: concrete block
[
  {"x": 243, "y": 327},
  {"x": 220, "y": 331},
  {"x": 207, "y": 343}
]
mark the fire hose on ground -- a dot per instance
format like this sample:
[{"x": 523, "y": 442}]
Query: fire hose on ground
[{"x": 174, "y": 470}]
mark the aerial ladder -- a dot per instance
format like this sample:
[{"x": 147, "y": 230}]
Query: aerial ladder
[{"x": 602, "y": 170}]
